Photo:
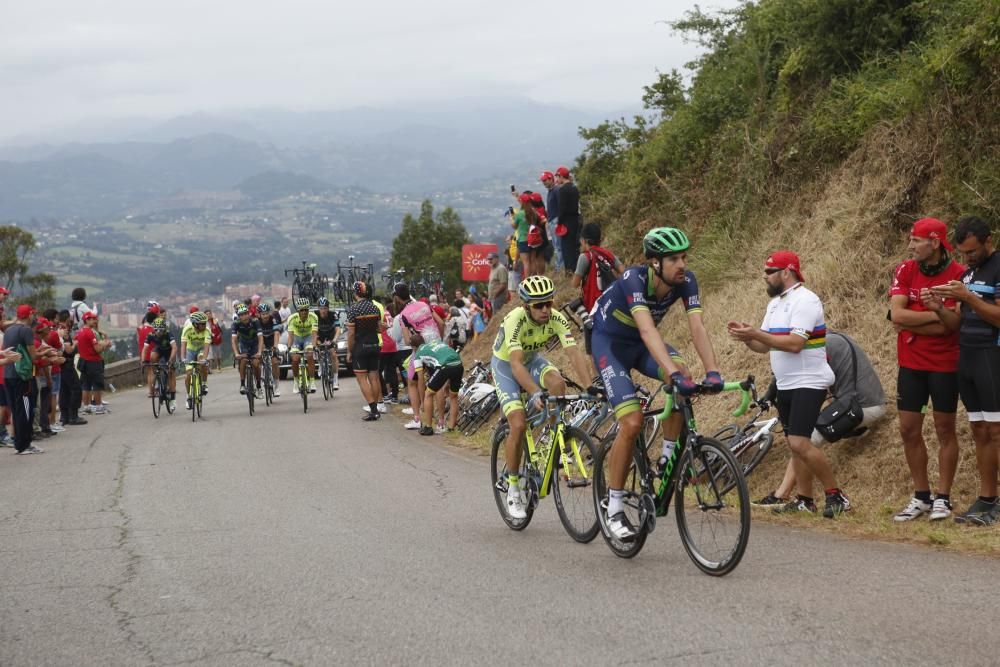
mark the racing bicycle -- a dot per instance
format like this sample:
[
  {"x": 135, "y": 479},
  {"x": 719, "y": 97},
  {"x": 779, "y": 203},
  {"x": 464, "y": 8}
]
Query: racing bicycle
[
  {"x": 161, "y": 387},
  {"x": 196, "y": 390},
  {"x": 694, "y": 476}
]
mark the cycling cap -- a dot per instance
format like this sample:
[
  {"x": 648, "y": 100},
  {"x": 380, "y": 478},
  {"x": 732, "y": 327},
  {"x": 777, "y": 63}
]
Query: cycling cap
[
  {"x": 536, "y": 288},
  {"x": 159, "y": 324},
  {"x": 664, "y": 241},
  {"x": 240, "y": 309},
  {"x": 198, "y": 318},
  {"x": 360, "y": 288},
  {"x": 323, "y": 302},
  {"x": 263, "y": 308},
  {"x": 301, "y": 303}
]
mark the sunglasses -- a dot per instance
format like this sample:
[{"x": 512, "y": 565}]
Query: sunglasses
[
  {"x": 542, "y": 305},
  {"x": 772, "y": 271}
]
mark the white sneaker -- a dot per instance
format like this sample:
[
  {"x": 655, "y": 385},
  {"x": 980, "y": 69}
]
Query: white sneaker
[
  {"x": 407, "y": 411},
  {"x": 382, "y": 408},
  {"x": 172, "y": 404},
  {"x": 276, "y": 392},
  {"x": 440, "y": 429},
  {"x": 336, "y": 383},
  {"x": 57, "y": 427},
  {"x": 312, "y": 386},
  {"x": 912, "y": 511},
  {"x": 621, "y": 528},
  {"x": 940, "y": 510},
  {"x": 515, "y": 505},
  {"x": 98, "y": 410},
  {"x": 259, "y": 394},
  {"x": 412, "y": 425}
]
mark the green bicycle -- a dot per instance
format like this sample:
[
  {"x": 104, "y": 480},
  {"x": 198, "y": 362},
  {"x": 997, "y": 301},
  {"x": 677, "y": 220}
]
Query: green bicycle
[
  {"x": 195, "y": 388},
  {"x": 701, "y": 475},
  {"x": 559, "y": 460}
]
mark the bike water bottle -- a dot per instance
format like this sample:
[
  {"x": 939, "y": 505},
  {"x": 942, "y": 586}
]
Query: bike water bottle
[{"x": 667, "y": 454}]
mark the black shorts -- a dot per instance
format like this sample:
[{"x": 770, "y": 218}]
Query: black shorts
[
  {"x": 798, "y": 410},
  {"x": 3, "y": 395},
  {"x": 247, "y": 347},
  {"x": 978, "y": 383},
  {"x": 365, "y": 358},
  {"x": 91, "y": 375},
  {"x": 446, "y": 374},
  {"x": 914, "y": 387}
]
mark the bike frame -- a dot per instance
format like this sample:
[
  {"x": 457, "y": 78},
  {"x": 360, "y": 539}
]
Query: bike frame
[{"x": 556, "y": 426}]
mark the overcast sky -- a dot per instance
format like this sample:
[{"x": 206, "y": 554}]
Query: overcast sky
[{"x": 67, "y": 61}]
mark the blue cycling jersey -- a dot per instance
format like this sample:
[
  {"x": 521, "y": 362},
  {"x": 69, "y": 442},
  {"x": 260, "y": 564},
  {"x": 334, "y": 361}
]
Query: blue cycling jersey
[{"x": 635, "y": 291}]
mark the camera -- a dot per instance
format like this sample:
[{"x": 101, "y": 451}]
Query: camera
[{"x": 576, "y": 307}]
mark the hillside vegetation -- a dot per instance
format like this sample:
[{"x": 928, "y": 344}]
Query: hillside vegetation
[{"x": 828, "y": 127}]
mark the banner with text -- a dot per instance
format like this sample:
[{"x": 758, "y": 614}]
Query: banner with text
[{"x": 475, "y": 266}]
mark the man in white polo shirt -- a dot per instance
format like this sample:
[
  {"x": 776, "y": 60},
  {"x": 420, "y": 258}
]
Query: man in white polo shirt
[{"x": 794, "y": 334}]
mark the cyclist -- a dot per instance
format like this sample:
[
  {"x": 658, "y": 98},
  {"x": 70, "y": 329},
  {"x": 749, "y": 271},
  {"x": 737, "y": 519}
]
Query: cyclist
[
  {"x": 625, "y": 338},
  {"x": 270, "y": 325},
  {"x": 247, "y": 341},
  {"x": 195, "y": 342},
  {"x": 302, "y": 327},
  {"x": 162, "y": 348},
  {"x": 364, "y": 328},
  {"x": 328, "y": 329},
  {"x": 444, "y": 370},
  {"x": 518, "y": 367}
]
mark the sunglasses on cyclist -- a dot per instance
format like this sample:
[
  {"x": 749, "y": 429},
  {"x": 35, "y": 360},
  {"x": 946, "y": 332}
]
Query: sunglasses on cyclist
[{"x": 541, "y": 305}]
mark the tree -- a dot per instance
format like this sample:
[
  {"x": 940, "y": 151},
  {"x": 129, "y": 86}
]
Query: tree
[
  {"x": 15, "y": 246},
  {"x": 43, "y": 290},
  {"x": 424, "y": 242}
]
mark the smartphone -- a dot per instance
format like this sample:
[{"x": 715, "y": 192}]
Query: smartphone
[{"x": 513, "y": 189}]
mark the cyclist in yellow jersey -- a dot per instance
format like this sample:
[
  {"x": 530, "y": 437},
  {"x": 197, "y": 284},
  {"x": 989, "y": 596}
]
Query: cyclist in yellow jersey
[
  {"x": 518, "y": 367},
  {"x": 196, "y": 340},
  {"x": 303, "y": 327}
]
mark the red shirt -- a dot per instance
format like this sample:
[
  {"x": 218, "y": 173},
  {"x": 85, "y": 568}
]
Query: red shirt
[
  {"x": 142, "y": 332},
  {"x": 86, "y": 343},
  {"x": 922, "y": 352}
]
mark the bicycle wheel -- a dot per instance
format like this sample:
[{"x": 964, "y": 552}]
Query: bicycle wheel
[
  {"x": 268, "y": 385},
  {"x": 195, "y": 394},
  {"x": 251, "y": 389},
  {"x": 326, "y": 381},
  {"x": 498, "y": 476},
  {"x": 304, "y": 390},
  {"x": 633, "y": 499},
  {"x": 166, "y": 396},
  {"x": 574, "y": 477},
  {"x": 750, "y": 455},
  {"x": 714, "y": 525},
  {"x": 157, "y": 392}
]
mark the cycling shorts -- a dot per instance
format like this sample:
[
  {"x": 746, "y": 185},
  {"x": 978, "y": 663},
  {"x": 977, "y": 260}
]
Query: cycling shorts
[
  {"x": 366, "y": 358},
  {"x": 914, "y": 388},
  {"x": 442, "y": 375},
  {"x": 301, "y": 344},
  {"x": 978, "y": 383},
  {"x": 508, "y": 390},
  {"x": 191, "y": 355},
  {"x": 798, "y": 410},
  {"x": 247, "y": 347},
  {"x": 615, "y": 358},
  {"x": 162, "y": 354}
]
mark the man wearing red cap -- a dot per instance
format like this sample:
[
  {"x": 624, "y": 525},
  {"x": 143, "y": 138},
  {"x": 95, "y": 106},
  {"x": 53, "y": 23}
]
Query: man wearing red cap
[
  {"x": 978, "y": 327},
  {"x": 91, "y": 365},
  {"x": 569, "y": 217},
  {"x": 552, "y": 211},
  {"x": 794, "y": 335},
  {"x": 927, "y": 354},
  {"x": 19, "y": 341}
]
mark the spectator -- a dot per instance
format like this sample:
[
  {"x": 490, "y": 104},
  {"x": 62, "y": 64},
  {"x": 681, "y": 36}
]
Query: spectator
[
  {"x": 69, "y": 393},
  {"x": 548, "y": 246},
  {"x": 552, "y": 211},
  {"x": 191, "y": 311},
  {"x": 90, "y": 344},
  {"x": 432, "y": 301},
  {"x": 78, "y": 308},
  {"x": 215, "y": 352},
  {"x": 794, "y": 334},
  {"x": 927, "y": 355},
  {"x": 54, "y": 340},
  {"x": 18, "y": 345},
  {"x": 497, "y": 285},
  {"x": 402, "y": 356},
  {"x": 596, "y": 268},
  {"x": 456, "y": 327},
  {"x": 568, "y": 203},
  {"x": 142, "y": 332},
  {"x": 46, "y": 356},
  {"x": 864, "y": 381},
  {"x": 285, "y": 311},
  {"x": 529, "y": 237},
  {"x": 387, "y": 363},
  {"x": 416, "y": 317},
  {"x": 978, "y": 325}
]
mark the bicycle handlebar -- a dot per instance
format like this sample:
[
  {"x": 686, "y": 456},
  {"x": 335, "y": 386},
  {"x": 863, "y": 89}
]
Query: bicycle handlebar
[{"x": 743, "y": 386}]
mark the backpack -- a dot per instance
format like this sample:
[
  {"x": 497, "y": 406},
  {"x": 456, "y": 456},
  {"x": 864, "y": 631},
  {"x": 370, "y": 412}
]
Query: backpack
[
  {"x": 600, "y": 275},
  {"x": 23, "y": 366},
  {"x": 534, "y": 237}
]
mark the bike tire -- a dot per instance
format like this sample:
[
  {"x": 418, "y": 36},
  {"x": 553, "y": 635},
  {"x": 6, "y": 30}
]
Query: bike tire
[
  {"x": 251, "y": 389},
  {"x": 325, "y": 381},
  {"x": 195, "y": 397},
  {"x": 754, "y": 453},
  {"x": 268, "y": 389},
  {"x": 304, "y": 392},
  {"x": 498, "y": 477},
  {"x": 572, "y": 488},
  {"x": 166, "y": 399},
  {"x": 157, "y": 393},
  {"x": 633, "y": 489},
  {"x": 699, "y": 500}
]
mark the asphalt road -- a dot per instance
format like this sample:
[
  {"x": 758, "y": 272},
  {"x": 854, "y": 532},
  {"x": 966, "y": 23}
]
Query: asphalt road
[{"x": 319, "y": 539}]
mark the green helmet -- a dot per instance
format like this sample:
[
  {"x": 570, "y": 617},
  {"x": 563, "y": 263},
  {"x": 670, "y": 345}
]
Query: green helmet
[
  {"x": 664, "y": 241},
  {"x": 198, "y": 318},
  {"x": 536, "y": 288},
  {"x": 301, "y": 303}
]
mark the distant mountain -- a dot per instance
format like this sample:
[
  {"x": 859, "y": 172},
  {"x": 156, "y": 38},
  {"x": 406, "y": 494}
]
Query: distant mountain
[
  {"x": 273, "y": 185},
  {"x": 411, "y": 150}
]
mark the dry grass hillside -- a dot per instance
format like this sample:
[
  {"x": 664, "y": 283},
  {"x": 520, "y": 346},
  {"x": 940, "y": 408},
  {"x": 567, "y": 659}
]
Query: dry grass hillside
[{"x": 849, "y": 228}]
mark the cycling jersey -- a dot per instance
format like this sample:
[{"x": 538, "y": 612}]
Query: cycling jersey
[
  {"x": 635, "y": 290},
  {"x": 435, "y": 355},
  {"x": 160, "y": 343},
  {"x": 984, "y": 282},
  {"x": 366, "y": 319},
  {"x": 419, "y": 317},
  {"x": 299, "y": 327},
  {"x": 327, "y": 326},
  {"x": 196, "y": 340},
  {"x": 519, "y": 332},
  {"x": 269, "y": 328},
  {"x": 247, "y": 331}
]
